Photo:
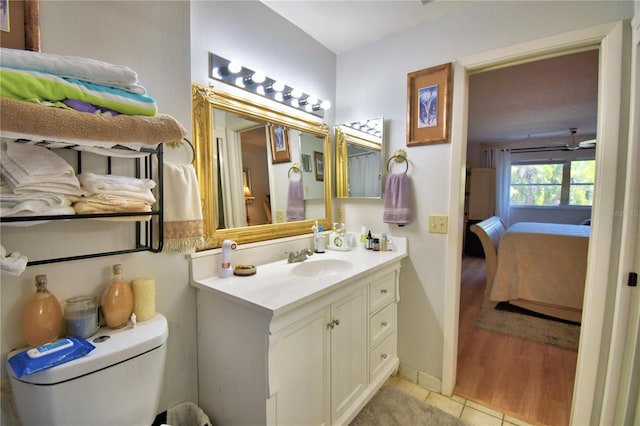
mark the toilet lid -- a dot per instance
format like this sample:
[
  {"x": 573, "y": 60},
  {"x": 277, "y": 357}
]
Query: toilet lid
[{"x": 112, "y": 347}]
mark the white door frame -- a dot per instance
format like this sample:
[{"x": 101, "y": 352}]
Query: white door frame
[
  {"x": 609, "y": 39},
  {"x": 623, "y": 380}
]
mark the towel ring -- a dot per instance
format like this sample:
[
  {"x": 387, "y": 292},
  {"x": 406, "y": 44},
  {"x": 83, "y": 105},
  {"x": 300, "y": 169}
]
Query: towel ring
[
  {"x": 295, "y": 168},
  {"x": 400, "y": 156},
  {"x": 193, "y": 150}
]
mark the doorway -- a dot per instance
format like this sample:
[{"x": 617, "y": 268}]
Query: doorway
[
  {"x": 608, "y": 38},
  {"x": 526, "y": 108}
]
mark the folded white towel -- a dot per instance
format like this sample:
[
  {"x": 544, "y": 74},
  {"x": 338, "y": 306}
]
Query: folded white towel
[
  {"x": 97, "y": 184},
  {"x": 183, "y": 228},
  {"x": 41, "y": 203},
  {"x": 13, "y": 264},
  {"x": 75, "y": 67},
  {"x": 26, "y": 166}
]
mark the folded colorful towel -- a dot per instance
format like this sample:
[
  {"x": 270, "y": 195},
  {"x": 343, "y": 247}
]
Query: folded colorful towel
[
  {"x": 20, "y": 119},
  {"x": 183, "y": 229},
  {"x": 397, "y": 199},
  {"x": 41, "y": 87},
  {"x": 74, "y": 67},
  {"x": 295, "y": 200}
]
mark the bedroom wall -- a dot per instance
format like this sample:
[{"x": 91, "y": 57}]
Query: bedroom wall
[{"x": 487, "y": 25}]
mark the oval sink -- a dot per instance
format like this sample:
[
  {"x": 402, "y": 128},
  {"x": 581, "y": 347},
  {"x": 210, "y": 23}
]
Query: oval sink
[{"x": 321, "y": 267}]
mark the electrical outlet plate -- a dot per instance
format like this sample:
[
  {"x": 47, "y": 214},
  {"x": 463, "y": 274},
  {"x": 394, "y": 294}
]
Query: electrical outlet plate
[
  {"x": 438, "y": 224},
  {"x": 279, "y": 216}
]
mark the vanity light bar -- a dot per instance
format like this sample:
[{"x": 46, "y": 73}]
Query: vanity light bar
[{"x": 231, "y": 72}]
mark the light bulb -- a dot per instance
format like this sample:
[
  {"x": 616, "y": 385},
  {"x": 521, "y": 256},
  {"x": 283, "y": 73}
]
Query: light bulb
[
  {"x": 296, "y": 93},
  {"x": 258, "y": 77},
  {"x": 234, "y": 67},
  {"x": 295, "y": 103},
  {"x": 278, "y": 86},
  {"x": 260, "y": 90},
  {"x": 279, "y": 97},
  {"x": 325, "y": 105},
  {"x": 312, "y": 99},
  {"x": 240, "y": 82}
]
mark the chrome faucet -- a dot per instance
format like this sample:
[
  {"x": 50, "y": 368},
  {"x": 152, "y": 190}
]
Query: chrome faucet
[{"x": 300, "y": 256}]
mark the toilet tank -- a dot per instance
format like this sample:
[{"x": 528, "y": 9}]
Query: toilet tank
[{"x": 118, "y": 383}]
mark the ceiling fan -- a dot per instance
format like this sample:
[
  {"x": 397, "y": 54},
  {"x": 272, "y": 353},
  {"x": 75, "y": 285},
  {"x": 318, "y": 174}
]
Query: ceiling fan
[{"x": 573, "y": 146}]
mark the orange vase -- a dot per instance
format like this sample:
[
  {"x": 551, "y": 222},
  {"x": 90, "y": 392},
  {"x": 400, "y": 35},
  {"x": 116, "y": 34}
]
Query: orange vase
[
  {"x": 117, "y": 300},
  {"x": 42, "y": 317}
]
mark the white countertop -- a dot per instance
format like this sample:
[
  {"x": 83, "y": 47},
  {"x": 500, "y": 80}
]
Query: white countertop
[{"x": 274, "y": 287}]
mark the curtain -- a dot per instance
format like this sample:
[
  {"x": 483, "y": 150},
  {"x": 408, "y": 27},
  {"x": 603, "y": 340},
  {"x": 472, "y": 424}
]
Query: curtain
[
  {"x": 500, "y": 159},
  {"x": 233, "y": 206},
  {"x": 364, "y": 179}
]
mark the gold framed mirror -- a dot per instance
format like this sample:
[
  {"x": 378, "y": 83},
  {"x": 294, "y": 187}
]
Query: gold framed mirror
[
  {"x": 359, "y": 158},
  {"x": 208, "y": 131}
]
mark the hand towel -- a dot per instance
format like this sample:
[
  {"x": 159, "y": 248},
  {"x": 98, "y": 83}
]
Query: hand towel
[
  {"x": 13, "y": 264},
  {"x": 183, "y": 228},
  {"x": 107, "y": 187},
  {"x": 397, "y": 199},
  {"x": 295, "y": 201},
  {"x": 33, "y": 121}
]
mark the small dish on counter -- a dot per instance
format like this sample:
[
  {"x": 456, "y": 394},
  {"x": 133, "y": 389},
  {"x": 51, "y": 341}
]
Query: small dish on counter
[{"x": 244, "y": 270}]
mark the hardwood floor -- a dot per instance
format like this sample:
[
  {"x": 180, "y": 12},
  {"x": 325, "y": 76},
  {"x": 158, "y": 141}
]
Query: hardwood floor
[{"x": 529, "y": 380}]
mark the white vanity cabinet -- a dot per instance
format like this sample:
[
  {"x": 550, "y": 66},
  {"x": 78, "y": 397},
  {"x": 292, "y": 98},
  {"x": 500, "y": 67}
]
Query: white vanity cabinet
[{"x": 312, "y": 354}]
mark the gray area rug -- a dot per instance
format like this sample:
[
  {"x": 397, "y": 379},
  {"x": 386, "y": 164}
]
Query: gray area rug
[
  {"x": 530, "y": 328},
  {"x": 392, "y": 407}
]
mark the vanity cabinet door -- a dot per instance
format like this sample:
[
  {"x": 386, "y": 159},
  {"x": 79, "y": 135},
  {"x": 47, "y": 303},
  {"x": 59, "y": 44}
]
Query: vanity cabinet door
[
  {"x": 302, "y": 369},
  {"x": 348, "y": 351}
]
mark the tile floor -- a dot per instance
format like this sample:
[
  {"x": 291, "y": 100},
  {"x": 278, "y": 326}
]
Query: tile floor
[{"x": 469, "y": 411}]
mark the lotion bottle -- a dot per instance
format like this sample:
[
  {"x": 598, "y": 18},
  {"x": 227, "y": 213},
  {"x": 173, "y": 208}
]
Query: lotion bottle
[{"x": 225, "y": 266}]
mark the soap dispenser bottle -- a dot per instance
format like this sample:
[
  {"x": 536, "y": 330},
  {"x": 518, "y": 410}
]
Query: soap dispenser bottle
[
  {"x": 42, "y": 317},
  {"x": 318, "y": 238}
]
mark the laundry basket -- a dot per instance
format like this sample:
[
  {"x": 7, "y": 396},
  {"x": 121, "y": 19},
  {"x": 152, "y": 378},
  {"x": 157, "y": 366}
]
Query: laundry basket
[{"x": 187, "y": 414}]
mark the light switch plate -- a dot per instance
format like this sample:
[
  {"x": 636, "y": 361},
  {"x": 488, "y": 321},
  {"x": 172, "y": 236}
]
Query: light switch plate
[
  {"x": 279, "y": 216},
  {"x": 439, "y": 224},
  {"x": 340, "y": 215}
]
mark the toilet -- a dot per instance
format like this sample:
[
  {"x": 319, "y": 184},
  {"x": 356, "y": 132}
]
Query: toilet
[{"x": 118, "y": 383}]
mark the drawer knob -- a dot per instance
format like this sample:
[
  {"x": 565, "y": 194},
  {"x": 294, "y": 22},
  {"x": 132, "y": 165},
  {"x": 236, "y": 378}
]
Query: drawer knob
[
  {"x": 383, "y": 291},
  {"x": 383, "y": 324},
  {"x": 384, "y": 356}
]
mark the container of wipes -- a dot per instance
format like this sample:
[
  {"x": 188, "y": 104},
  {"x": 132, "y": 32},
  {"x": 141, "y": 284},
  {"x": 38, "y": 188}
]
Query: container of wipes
[{"x": 49, "y": 355}]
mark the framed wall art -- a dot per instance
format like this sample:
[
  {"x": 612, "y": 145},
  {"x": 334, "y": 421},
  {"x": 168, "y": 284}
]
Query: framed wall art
[
  {"x": 429, "y": 105},
  {"x": 20, "y": 24},
  {"x": 318, "y": 159},
  {"x": 280, "y": 152}
]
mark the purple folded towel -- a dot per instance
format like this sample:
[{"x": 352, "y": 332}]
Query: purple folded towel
[
  {"x": 397, "y": 199},
  {"x": 295, "y": 201}
]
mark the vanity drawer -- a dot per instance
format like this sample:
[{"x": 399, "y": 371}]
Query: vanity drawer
[
  {"x": 382, "y": 324},
  {"x": 382, "y": 291},
  {"x": 381, "y": 354}
]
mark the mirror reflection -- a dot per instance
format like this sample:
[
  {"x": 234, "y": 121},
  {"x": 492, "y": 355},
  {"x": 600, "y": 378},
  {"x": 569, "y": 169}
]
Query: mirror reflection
[
  {"x": 359, "y": 158},
  {"x": 261, "y": 171}
]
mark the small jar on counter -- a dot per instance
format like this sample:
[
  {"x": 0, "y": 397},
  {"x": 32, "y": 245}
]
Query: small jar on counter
[
  {"x": 376, "y": 244},
  {"x": 81, "y": 316}
]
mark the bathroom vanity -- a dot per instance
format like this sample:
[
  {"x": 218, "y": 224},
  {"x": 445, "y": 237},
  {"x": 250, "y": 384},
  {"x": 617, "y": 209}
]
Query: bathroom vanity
[{"x": 302, "y": 343}]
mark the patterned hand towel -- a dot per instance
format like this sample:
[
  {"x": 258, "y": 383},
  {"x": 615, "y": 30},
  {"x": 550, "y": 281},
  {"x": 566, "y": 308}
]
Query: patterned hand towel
[
  {"x": 295, "y": 201},
  {"x": 397, "y": 199},
  {"x": 183, "y": 231}
]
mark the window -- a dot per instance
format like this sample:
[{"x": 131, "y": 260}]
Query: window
[{"x": 552, "y": 183}]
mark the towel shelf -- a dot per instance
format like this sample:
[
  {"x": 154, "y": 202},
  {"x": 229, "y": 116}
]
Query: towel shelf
[{"x": 149, "y": 235}]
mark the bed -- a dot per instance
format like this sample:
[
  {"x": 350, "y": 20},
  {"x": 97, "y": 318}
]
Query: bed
[{"x": 542, "y": 267}]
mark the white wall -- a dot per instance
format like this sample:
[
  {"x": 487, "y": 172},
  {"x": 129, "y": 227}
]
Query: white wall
[
  {"x": 154, "y": 39},
  {"x": 479, "y": 27}
]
